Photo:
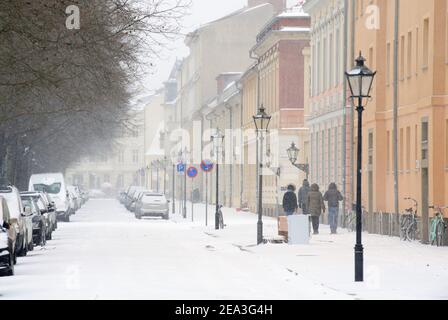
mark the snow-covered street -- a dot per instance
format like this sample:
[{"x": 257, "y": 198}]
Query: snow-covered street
[{"x": 105, "y": 253}]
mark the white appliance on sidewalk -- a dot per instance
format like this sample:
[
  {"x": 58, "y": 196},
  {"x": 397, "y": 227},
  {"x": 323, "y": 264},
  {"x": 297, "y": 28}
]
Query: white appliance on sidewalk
[{"x": 298, "y": 229}]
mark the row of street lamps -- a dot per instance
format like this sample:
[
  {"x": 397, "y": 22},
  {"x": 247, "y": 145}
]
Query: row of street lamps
[{"x": 360, "y": 80}]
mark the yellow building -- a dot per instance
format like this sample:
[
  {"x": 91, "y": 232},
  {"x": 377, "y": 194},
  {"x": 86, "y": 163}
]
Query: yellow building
[{"x": 421, "y": 91}]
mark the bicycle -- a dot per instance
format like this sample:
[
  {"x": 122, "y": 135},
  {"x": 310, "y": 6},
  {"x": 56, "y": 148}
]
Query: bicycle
[
  {"x": 350, "y": 219},
  {"x": 409, "y": 223},
  {"x": 438, "y": 227}
]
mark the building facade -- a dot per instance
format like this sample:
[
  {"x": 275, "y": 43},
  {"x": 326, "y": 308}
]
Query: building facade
[
  {"x": 329, "y": 117},
  {"x": 412, "y": 79}
]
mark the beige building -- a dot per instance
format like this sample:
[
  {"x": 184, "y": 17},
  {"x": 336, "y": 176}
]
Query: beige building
[
  {"x": 329, "y": 115},
  {"x": 421, "y": 89},
  {"x": 221, "y": 46}
]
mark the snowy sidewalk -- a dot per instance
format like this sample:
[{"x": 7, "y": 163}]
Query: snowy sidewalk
[{"x": 393, "y": 269}]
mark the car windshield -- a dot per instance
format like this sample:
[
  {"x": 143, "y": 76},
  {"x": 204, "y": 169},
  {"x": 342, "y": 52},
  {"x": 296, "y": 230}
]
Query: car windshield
[
  {"x": 54, "y": 188},
  {"x": 153, "y": 198}
]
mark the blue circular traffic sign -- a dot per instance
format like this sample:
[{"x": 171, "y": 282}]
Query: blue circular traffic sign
[
  {"x": 192, "y": 172},
  {"x": 206, "y": 165}
]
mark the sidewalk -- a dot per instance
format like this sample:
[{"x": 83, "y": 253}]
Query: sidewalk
[{"x": 393, "y": 269}]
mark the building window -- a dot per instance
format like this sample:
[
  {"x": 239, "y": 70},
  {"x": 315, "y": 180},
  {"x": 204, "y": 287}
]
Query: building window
[
  {"x": 408, "y": 148},
  {"x": 388, "y": 64},
  {"x": 331, "y": 61},
  {"x": 329, "y": 157},
  {"x": 426, "y": 43},
  {"x": 338, "y": 58},
  {"x": 402, "y": 46},
  {"x": 401, "y": 149},
  {"x": 121, "y": 156},
  {"x": 417, "y": 53},
  {"x": 446, "y": 143},
  {"x": 409, "y": 73},
  {"x": 336, "y": 154},
  {"x": 323, "y": 157},
  {"x": 388, "y": 151},
  {"x": 135, "y": 156}
]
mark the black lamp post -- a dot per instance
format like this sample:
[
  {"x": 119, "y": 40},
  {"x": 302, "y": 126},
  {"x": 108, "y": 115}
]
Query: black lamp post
[
  {"x": 217, "y": 140},
  {"x": 261, "y": 120},
  {"x": 360, "y": 80},
  {"x": 293, "y": 153},
  {"x": 165, "y": 166}
]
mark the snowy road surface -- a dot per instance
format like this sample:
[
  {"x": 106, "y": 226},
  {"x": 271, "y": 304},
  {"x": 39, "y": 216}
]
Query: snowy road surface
[{"x": 105, "y": 253}]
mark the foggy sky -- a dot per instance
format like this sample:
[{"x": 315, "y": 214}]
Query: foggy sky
[{"x": 202, "y": 11}]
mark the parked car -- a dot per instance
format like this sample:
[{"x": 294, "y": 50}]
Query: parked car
[
  {"x": 45, "y": 209},
  {"x": 54, "y": 185},
  {"x": 153, "y": 205},
  {"x": 21, "y": 220},
  {"x": 7, "y": 239},
  {"x": 136, "y": 196},
  {"x": 39, "y": 221}
]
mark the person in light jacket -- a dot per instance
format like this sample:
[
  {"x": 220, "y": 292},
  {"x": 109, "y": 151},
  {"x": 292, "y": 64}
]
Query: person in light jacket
[
  {"x": 333, "y": 197},
  {"x": 290, "y": 201},
  {"x": 316, "y": 206}
]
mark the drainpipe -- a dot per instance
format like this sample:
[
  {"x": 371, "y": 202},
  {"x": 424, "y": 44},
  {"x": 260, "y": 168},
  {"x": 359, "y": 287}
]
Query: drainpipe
[
  {"x": 229, "y": 107},
  {"x": 257, "y": 174},
  {"x": 344, "y": 111},
  {"x": 395, "y": 143},
  {"x": 240, "y": 91},
  {"x": 352, "y": 114}
]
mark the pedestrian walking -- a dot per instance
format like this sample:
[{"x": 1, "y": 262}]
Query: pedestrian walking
[
  {"x": 316, "y": 206},
  {"x": 333, "y": 197},
  {"x": 290, "y": 201},
  {"x": 303, "y": 196}
]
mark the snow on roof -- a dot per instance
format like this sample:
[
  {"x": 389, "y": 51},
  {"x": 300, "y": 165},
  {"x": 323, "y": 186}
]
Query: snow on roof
[
  {"x": 295, "y": 29},
  {"x": 293, "y": 13}
]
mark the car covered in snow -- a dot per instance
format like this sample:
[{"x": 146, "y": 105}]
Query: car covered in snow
[
  {"x": 54, "y": 185},
  {"x": 45, "y": 207},
  {"x": 39, "y": 220},
  {"x": 152, "y": 204},
  {"x": 7, "y": 239},
  {"x": 21, "y": 220}
]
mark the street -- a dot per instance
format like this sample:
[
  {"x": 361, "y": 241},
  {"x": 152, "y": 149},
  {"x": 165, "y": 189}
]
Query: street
[{"x": 105, "y": 253}]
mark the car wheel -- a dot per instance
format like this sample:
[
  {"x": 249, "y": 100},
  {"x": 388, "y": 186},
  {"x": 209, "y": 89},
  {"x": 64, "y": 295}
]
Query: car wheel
[
  {"x": 139, "y": 217},
  {"x": 43, "y": 237},
  {"x": 10, "y": 269},
  {"x": 31, "y": 246}
]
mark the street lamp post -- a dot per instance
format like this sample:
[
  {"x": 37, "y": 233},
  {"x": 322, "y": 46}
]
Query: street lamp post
[
  {"x": 261, "y": 120},
  {"x": 187, "y": 158},
  {"x": 165, "y": 166},
  {"x": 360, "y": 80},
  {"x": 217, "y": 141},
  {"x": 293, "y": 153}
]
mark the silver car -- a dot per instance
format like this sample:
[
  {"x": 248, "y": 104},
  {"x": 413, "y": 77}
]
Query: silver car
[{"x": 151, "y": 204}]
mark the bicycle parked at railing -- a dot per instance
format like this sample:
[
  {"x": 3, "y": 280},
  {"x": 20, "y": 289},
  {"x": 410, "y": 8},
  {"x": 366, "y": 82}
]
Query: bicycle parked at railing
[
  {"x": 437, "y": 235},
  {"x": 409, "y": 222},
  {"x": 350, "y": 218}
]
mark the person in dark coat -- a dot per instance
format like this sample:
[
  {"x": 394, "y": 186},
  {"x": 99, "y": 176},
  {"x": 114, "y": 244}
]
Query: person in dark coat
[
  {"x": 303, "y": 196},
  {"x": 333, "y": 197},
  {"x": 290, "y": 201},
  {"x": 316, "y": 206}
]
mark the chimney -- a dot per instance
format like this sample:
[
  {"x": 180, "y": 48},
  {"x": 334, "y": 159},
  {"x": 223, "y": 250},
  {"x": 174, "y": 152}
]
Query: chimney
[{"x": 279, "y": 5}]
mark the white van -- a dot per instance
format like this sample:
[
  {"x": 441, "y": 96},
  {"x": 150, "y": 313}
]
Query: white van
[{"x": 54, "y": 185}]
